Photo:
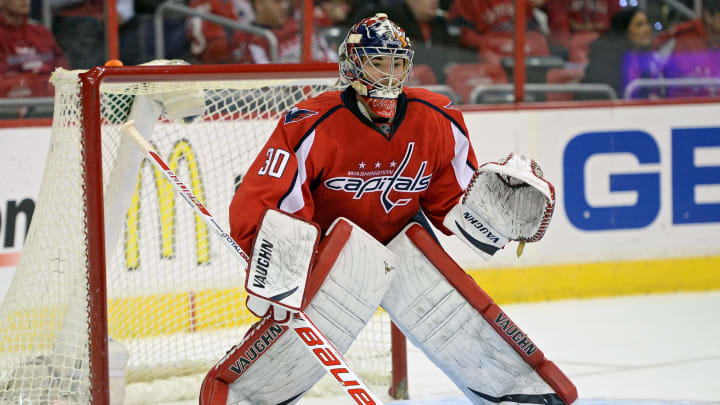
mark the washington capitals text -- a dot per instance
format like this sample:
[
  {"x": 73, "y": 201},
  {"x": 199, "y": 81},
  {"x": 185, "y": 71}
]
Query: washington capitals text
[{"x": 393, "y": 182}]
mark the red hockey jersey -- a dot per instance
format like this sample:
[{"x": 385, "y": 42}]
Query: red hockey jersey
[
  {"x": 326, "y": 160},
  {"x": 28, "y": 48}
]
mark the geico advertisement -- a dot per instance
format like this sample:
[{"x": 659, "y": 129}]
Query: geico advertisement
[{"x": 632, "y": 183}]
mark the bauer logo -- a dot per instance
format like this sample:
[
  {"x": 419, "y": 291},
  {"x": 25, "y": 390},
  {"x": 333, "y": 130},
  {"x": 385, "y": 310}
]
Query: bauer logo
[
  {"x": 262, "y": 263},
  {"x": 385, "y": 184},
  {"x": 516, "y": 335}
]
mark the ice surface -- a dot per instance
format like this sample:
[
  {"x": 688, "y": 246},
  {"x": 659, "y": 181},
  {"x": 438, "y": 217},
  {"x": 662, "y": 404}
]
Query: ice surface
[{"x": 633, "y": 350}]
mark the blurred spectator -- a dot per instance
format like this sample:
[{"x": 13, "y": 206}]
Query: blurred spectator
[
  {"x": 698, "y": 34},
  {"x": 332, "y": 13},
  {"x": 28, "y": 52},
  {"x": 623, "y": 53},
  {"x": 333, "y": 18},
  {"x": 552, "y": 17},
  {"x": 476, "y": 17},
  {"x": 694, "y": 48},
  {"x": 488, "y": 26},
  {"x": 275, "y": 15},
  {"x": 424, "y": 23},
  {"x": 344, "y": 13},
  {"x": 434, "y": 41},
  {"x": 210, "y": 41},
  {"x": 591, "y": 15},
  {"x": 79, "y": 28}
]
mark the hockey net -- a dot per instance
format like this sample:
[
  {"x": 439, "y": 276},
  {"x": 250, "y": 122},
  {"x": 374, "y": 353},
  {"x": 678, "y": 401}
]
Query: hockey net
[{"x": 147, "y": 273}]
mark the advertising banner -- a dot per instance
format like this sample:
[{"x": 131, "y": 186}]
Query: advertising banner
[{"x": 637, "y": 199}]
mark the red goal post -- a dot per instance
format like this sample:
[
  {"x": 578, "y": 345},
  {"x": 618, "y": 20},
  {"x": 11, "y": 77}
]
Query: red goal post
[{"x": 133, "y": 264}]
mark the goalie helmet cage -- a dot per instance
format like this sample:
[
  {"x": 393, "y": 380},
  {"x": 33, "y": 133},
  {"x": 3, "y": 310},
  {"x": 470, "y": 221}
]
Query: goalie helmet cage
[{"x": 110, "y": 252}]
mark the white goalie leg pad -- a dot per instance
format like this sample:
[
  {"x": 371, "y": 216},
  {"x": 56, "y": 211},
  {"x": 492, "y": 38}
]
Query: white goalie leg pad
[
  {"x": 271, "y": 365},
  {"x": 456, "y": 324}
]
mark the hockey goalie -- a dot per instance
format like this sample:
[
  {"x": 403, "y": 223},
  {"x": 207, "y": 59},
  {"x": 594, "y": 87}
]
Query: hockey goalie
[{"x": 330, "y": 201}]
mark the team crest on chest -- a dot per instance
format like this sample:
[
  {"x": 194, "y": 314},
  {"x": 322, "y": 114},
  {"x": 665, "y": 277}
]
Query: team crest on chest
[
  {"x": 298, "y": 114},
  {"x": 385, "y": 182}
]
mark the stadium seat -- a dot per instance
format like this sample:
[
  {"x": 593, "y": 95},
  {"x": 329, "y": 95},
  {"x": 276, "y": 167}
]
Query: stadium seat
[
  {"x": 463, "y": 77},
  {"x": 498, "y": 45},
  {"x": 580, "y": 46},
  {"x": 445, "y": 90},
  {"x": 422, "y": 75},
  {"x": 560, "y": 76}
]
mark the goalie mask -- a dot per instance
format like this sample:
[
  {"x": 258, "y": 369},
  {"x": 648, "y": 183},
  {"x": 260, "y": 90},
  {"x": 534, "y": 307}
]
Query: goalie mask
[{"x": 376, "y": 59}]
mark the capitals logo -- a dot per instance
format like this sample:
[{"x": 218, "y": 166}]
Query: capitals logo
[
  {"x": 298, "y": 114},
  {"x": 385, "y": 184}
]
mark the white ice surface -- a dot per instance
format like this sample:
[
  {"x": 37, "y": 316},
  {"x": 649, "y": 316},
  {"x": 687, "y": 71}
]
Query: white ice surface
[{"x": 635, "y": 350}]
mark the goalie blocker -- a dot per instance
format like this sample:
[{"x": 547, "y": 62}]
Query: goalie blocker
[{"x": 427, "y": 295}]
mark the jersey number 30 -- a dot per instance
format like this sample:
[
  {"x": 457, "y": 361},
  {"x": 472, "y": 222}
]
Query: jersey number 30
[{"x": 275, "y": 163}]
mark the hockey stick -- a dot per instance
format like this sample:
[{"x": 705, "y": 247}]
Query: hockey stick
[{"x": 311, "y": 337}]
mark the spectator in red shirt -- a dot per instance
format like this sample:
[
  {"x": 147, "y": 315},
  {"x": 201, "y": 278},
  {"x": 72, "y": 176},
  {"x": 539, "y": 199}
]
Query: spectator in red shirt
[
  {"x": 275, "y": 15},
  {"x": 209, "y": 41},
  {"x": 28, "y": 52},
  {"x": 477, "y": 17},
  {"x": 698, "y": 34},
  {"x": 557, "y": 26},
  {"x": 479, "y": 20},
  {"x": 591, "y": 15}
]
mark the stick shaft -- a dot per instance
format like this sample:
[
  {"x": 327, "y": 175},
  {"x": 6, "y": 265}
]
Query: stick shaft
[{"x": 312, "y": 338}]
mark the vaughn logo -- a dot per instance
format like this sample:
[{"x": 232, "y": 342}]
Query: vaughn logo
[
  {"x": 474, "y": 222},
  {"x": 262, "y": 263},
  {"x": 385, "y": 184},
  {"x": 516, "y": 335},
  {"x": 244, "y": 355}
]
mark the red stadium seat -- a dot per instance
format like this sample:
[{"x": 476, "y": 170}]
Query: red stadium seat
[
  {"x": 562, "y": 75},
  {"x": 498, "y": 45},
  {"x": 422, "y": 75},
  {"x": 580, "y": 46},
  {"x": 463, "y": 77}
]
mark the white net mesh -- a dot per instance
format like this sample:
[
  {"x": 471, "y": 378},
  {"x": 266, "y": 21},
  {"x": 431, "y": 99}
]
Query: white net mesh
[{"x": 175, "y": 296}]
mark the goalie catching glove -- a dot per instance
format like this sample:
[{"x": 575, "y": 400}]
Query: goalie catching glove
[
  {"x": 282, "y": 255},
  {"x": 506, "y": 200}
]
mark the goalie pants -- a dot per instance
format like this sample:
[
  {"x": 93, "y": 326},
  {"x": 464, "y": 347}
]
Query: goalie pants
[{"x": 438, "y": 307}]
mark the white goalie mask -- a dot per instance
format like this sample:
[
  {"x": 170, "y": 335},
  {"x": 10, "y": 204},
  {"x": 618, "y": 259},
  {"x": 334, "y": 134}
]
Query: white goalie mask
[{"x": 376, "y": 58}]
